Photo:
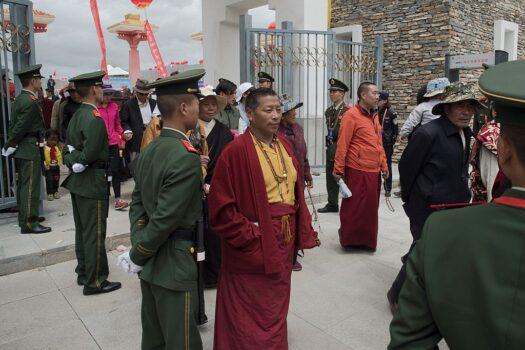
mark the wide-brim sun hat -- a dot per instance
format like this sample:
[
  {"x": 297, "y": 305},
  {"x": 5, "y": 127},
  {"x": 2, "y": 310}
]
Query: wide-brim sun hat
[
  {"x": 207, "y": 92},
  {"x": 241, "y": 90},
  {"x": 436, "y": 87},
  {"x": 456, "y": 92}
]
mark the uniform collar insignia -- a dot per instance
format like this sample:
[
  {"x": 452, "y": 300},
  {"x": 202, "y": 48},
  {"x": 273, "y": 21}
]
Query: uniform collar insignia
[{"x": 189, "y": 146}]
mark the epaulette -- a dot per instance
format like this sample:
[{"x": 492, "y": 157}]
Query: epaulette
[
  {"x": 188, "y": 146},
  {"x": 96, "y": 113},
  {"x": 33, "y": 97}
]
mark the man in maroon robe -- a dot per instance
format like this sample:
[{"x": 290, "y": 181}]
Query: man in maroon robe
[{"x": 258, "y": 209}]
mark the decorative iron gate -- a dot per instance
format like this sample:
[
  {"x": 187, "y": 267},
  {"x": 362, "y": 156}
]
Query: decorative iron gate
[
  {"x": 302, "y": 62},
  {"x": 17, "y": 52}
]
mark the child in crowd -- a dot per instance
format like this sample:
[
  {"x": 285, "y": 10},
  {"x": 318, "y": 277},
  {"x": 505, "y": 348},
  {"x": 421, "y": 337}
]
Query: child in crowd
[{"x": 52, "y": 162}]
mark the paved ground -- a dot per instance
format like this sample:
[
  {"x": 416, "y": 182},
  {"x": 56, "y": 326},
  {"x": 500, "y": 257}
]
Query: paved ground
[{"x": 338, "y": 300}]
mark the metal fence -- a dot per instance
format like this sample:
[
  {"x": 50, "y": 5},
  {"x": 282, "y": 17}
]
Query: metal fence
[
  {"x": 302, "y": 62},
  {"x": 17, "y": 51}
]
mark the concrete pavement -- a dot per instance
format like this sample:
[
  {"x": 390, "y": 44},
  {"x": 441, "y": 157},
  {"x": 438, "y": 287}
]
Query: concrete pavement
[{"x": 338, "y": 300}]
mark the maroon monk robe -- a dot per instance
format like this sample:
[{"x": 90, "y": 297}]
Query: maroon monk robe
[
  {"x": 359, "y": 229},
  {"x": 254, "y": 283}
]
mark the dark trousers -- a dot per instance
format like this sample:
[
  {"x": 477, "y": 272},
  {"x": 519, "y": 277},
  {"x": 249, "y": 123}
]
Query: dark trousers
[
  {"x": 418, "y": 212},
  {"x": 389, "y": 152},
  {"x": 331, "y": 186},
  {"x": 52, "y": 179},
  {"x": 115, "y": 168},
  {"x": 169, "y": 318},
  {"x": 90, "y": 217},
  {"x": 28, "y": 191},
  {"x": 212, "y": 245}
]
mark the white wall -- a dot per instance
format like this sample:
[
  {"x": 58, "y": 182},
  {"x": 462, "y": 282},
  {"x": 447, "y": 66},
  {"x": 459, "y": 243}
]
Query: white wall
[{"x": 506, "y": 38}]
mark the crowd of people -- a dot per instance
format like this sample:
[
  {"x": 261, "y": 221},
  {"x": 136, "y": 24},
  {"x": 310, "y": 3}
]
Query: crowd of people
[{"x": 218, "y": 201}]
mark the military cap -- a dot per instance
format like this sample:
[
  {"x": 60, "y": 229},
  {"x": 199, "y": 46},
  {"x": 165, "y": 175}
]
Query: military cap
[
  {"x": 337, "y": 85},
  {"x": 89, "y": 79},
  {"x": 181, "y": 84},
  {"x": 456, "y": 92},
  {"x": 30, "y": 72},
  {"x": 503, "y": 85},
  {"x": 263, "y": 76}
]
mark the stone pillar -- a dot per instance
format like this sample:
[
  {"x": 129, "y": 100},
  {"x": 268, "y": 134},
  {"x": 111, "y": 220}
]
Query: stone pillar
[{"x": 133, "y": 40}]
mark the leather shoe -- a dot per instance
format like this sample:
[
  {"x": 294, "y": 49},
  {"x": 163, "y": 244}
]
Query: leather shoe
[
  {"x": 387, "y": 194},
  {"x": 38, "y": 229},
  {"x": 41, "y": 219},
  {"x": 328, "y": 209},
  {"x": 106, "y": 287}
]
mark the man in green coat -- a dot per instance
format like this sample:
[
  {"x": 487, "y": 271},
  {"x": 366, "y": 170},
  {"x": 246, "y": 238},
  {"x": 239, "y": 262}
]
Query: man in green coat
[
  {"x": 166, "y": 205},
  {"x": 333, "y": 116},
  {"x": 230, "y": 115},
  {"x": 25, "y": 141},
  {"x": 466, "y": 275},
  {"x": 86, "y": 154}
]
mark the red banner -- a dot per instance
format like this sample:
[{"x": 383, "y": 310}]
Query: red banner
[
  {"x": 155, "y": 50},
  {"x": 100, "y": 34}
]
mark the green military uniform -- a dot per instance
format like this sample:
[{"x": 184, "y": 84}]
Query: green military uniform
[
  {"x": 87, "y": 145},
  {"x": 333, "y": 116},
  {"x": 466, "y": 276},
  {"x": 166, "y": 205},
  {"x": 26, "y": 134},
  {"x": 230, "y": 116}
]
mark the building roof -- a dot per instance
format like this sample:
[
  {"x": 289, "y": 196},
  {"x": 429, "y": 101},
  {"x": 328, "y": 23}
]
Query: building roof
[{"x": 130, "y": 23}]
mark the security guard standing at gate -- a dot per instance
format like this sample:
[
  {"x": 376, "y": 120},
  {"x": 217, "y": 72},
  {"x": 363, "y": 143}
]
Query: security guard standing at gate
[
  {"x": 166, "y": 206},
  {"x": 86, "y": 154},
  {"x": 333, "y": 116},
  {"x": 26, "y": 142},
  {"x": 265, "y": 80}
]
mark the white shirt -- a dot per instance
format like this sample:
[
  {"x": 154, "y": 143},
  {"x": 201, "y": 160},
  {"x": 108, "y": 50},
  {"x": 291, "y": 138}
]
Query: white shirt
[
  {"x": 145, "y": 111},
  {"x": 208, "y": 126}
]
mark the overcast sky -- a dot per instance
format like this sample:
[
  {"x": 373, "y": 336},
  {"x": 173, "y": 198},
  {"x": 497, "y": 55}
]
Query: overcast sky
[{"x": 71, "y": 47}]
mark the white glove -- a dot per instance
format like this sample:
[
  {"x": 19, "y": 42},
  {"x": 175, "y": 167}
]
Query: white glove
[
  {"x": 70, "y": 148},
  {"x": 78, "y": 168},
  {"x": 124, "y": 261},
  {"x": 7, "y": 152}
]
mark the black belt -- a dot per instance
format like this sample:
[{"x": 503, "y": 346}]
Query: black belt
[{"x": 184, "y": 233}]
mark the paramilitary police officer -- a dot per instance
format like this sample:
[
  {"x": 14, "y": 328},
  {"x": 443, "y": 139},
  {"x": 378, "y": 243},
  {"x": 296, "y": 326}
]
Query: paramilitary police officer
[
  {"x": 166, "y": 205},
  {"x": 26, "y": 142},
  {"x": 86, "y": 154},
  {"x": 333, "y": 116},
  {"x": 265, "y": 80},
  {"x": 466, "y": 275},
  {"x": 388, "y": 121}
]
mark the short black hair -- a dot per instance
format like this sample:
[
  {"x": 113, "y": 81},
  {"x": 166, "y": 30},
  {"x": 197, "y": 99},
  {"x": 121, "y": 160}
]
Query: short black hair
[
  {"x": 52, "y": 132},
  {"x": 252, "y": 101},
  {"x": 420, "y": 98},
  {"x": 514, "y": 135},
  {"x": 225, "y": 86},
  {"x": 25, "y": 81},
  {"x": 168, "y": 104},
  {"x": 363, "y": 87},
  {"x": 83, "y": 91}
]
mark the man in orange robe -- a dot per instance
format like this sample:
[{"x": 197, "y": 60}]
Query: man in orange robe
[
  {"x": 258, "y": 209},
  {"x": 359, "y": 161}
]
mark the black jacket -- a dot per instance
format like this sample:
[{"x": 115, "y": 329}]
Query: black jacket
[
  {"x": 131, "y": 119},
  {"x": 388, "y": 122},
  {"x": 434, "y": 166}
]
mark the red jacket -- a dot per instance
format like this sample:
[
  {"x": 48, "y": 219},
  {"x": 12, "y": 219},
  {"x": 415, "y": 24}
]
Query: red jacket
[{"x": 238, "y": 200}]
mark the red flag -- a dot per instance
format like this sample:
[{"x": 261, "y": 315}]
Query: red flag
[
  {"x": 100, "y": 34},
  {"x": 155, "y": 50}
]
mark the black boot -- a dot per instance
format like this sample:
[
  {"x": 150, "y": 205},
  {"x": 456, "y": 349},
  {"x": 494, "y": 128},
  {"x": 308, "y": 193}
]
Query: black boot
[
  {"x": 328, "y": 209},
  {"x": 106, "y": 287},
  {"x": 38, "y": 229}
]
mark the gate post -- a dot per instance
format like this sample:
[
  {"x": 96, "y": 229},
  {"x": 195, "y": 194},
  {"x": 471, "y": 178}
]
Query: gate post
[
  {"x": 379, "y": 43},
  {"x": 245, "y": 47},
  {"x": 287, "y": 83},
  {"x": 451, "y": 74}
]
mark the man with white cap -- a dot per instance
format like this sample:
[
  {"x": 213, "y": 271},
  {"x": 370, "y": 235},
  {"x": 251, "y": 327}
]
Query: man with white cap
[
  {"x": 422, "y": 114},
  {"x": 242, "y": 92}
]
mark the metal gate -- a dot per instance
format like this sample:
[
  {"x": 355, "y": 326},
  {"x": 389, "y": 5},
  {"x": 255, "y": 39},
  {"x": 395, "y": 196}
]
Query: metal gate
[
  {"x": 302, "y": 62},
  {"x": 17, "y": 51}
]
